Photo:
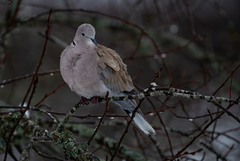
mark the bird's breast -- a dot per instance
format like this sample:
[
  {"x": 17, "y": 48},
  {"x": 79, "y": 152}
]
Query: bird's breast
[
  {"x": 86, "y": 79},
  {"x": 74, "y": 60},
  {"x": 80, "y": 72}
]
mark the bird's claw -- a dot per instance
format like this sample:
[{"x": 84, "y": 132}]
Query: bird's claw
[
  {"x": 84, "y": 101},
  {"x": 95, "y": 99}
]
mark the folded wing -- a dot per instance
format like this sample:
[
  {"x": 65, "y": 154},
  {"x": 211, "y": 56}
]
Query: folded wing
[{"x": 112, "y": 70}]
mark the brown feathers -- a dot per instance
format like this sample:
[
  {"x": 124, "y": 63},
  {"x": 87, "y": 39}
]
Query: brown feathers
[{"x": 113, "y": 71}]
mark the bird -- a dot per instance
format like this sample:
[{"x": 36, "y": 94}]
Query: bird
[{"x": 91, "y": 70}]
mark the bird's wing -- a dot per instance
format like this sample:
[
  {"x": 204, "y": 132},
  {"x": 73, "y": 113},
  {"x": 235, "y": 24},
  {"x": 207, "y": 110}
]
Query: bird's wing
[{"x": 112, "y": 70}]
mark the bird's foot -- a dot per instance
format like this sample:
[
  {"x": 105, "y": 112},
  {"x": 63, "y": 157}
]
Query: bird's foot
[
  {"x": 95, "y": 99},
  {"x": 84, "y": 101}
]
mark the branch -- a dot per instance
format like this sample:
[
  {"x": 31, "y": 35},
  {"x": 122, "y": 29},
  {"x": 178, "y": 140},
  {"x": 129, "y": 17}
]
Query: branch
[
  {"x": 175, "y": 92},
  {"x": 153, "y": 91},
  {"x": 32, "y": 86},
  {"x": 72, "y": 149},
  {"x": 101, "y": 120},
  {"x": 108, "y": 144},
  {"x": 8, "y": 81},
  {"x": 150, "y": 92}
]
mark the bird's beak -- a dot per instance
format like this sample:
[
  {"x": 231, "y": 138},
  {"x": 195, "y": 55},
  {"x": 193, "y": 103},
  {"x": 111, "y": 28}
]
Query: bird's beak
[{"x": 94, "y": 41}]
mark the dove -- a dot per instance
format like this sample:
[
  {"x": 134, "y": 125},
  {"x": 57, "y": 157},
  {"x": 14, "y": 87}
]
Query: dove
[{"x": 91, "y": 70}]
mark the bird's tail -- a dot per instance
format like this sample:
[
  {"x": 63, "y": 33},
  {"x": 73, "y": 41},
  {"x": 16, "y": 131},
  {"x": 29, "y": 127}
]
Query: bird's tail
[
  {"x": 128, "y": 106},
  {"x": 142, "y": 124}
]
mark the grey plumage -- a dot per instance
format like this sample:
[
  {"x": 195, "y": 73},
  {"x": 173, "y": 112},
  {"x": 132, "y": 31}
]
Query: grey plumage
[{"x": 91, "y": 69}]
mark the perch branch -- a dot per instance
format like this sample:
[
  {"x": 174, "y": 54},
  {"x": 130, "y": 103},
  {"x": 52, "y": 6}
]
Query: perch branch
[{"x": 154, "y": 91}]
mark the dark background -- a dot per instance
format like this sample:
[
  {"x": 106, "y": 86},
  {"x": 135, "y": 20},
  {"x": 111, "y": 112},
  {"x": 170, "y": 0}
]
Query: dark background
[{"x": 199, "y": 42}]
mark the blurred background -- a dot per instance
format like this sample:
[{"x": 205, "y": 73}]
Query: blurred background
[{"x": 195, "y": 43}]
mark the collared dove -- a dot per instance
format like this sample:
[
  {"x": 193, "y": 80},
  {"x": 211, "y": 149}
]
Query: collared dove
[{"x": 91, "y": 70}]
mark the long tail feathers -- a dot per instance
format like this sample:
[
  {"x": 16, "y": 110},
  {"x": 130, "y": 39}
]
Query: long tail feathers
[
  {"x": 128, "y": 106},
  {"x": 142, "y": 124}
]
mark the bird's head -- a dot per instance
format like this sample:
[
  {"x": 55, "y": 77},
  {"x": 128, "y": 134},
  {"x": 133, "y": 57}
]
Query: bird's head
[{"x": 85, "y": 34}]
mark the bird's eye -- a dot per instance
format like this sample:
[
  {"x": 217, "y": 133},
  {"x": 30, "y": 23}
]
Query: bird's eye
[{"x": 83, "y": 34}]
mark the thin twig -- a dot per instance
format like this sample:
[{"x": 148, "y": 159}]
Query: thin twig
[
  {"x": 46, "y": 156},
  {"x": 218, "y": 155},
  {"x": 49, "y": 94},
  {"x": 202, "y": 131},
  {"x": 183, "y": 154},
  {"x": 101, "y": 120},
  {"x": 8, "y": 81},
  {"x": 32, "y": 83},
  {"x": 164, "y": 127},
  {"x": 126, "y": 130},
  {"x": 13, "y": 18},
  {"x": 192, "y": 26},
  {"x": 225, "y": 81},
  {"x": 158, "y": 147}
]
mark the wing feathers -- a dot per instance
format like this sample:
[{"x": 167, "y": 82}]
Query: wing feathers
[{"x": 113, "y": 71}]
